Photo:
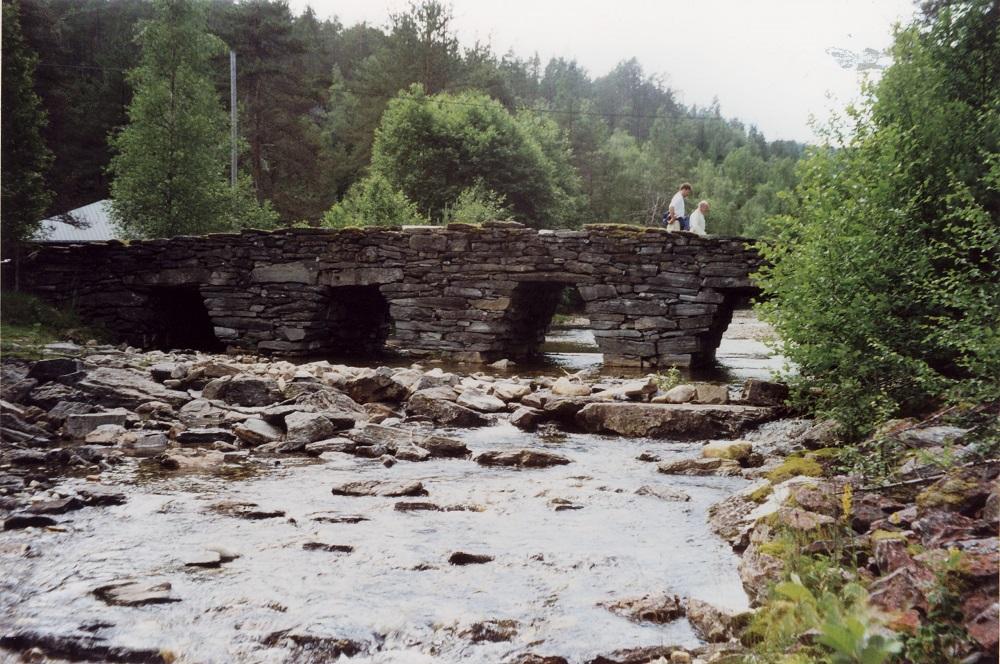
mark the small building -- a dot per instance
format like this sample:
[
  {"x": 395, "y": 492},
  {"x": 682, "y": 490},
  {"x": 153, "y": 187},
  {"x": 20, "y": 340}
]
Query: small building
[{"x": 90, "y": 223}]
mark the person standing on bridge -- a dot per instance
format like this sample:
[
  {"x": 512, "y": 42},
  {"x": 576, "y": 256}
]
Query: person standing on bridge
[
  {"x": 697, "y": 221},
  {"x": 676, "y": 212}
]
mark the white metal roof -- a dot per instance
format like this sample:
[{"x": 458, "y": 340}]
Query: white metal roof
[{"x": 90, "y": 223}]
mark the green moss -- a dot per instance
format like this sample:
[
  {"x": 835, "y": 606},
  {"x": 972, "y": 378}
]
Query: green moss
[
  {"x": 760, "y": 495},
  {"x": 882, "y": 535},
  {"x": 782, "y": 548},
  {"x": 947, "y": 493},
  {"x": 793, "y": 467}
]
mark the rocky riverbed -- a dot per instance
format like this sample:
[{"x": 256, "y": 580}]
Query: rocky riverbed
[
  {"x": 209, "y": 508},
  {"x": 184, "y": 507}
]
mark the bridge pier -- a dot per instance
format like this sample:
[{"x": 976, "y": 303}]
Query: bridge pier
[{"x": 464, "y": 292}]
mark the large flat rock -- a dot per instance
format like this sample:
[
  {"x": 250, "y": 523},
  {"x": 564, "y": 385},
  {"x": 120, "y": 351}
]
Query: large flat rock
[{"x": 676, "y": 421}]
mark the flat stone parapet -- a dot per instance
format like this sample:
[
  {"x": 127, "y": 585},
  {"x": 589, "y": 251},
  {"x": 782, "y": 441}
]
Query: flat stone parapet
[{"x": 465, "y": 292}]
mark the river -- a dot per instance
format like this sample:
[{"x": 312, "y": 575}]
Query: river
[{"x": 563, "y": 540}]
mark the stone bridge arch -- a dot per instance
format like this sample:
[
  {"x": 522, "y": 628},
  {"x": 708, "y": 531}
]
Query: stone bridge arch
[{"x": 471, "y": 293}]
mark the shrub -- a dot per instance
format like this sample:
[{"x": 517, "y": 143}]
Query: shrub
[
  {"x": 373, "y": 202},
  {"x": 885, "y": 282}
]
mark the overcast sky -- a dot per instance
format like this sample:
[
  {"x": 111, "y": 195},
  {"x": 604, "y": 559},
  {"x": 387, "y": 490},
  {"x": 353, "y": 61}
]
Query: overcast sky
[{"x": 765, "y": 60}]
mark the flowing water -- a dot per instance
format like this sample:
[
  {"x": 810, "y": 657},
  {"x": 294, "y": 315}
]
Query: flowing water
[{"x": 395, "y": 593}]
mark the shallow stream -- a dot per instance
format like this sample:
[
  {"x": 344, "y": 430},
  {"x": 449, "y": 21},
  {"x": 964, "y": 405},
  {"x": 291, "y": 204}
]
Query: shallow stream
[{"x": 395, "y": 592}]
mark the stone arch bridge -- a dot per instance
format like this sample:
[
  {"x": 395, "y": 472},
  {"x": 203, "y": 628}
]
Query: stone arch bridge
[{"x": 470, "y": 293}]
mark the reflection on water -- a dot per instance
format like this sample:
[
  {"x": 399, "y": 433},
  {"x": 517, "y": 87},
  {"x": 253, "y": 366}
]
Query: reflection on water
[{"x": 396, "y": 591}]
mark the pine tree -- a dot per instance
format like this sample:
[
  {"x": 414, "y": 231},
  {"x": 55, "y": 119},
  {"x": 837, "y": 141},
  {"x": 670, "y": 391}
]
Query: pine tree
[
  {"x": 171, "y": 168},
  {"x": 25, "y": 157}
]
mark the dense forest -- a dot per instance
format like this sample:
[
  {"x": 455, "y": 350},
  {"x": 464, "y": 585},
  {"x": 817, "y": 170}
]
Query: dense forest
[{"x": 313, "y": 100}]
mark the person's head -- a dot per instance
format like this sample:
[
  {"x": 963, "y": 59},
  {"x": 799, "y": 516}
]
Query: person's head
[
  {"x": 703, "y": 206},
  {"x": 685, "y": 190}
]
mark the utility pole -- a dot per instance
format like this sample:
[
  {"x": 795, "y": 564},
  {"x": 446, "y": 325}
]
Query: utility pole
[{"x": 232, "y": 118}]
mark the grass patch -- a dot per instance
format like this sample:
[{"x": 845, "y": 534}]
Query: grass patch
[{"x": 27, "y": 324}]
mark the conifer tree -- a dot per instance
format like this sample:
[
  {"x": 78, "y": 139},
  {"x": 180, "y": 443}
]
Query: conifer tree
[
  {"x": 25, "y": 156},
  {"x": 171, "y": 167}
]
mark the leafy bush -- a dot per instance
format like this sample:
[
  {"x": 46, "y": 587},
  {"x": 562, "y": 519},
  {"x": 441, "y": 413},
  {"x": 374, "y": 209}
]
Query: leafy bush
[
  {"x": 27, "y": 323},
  {"x": 373, "y": 202},
  {"x": 475, "y": 205},
  {"x": 885, "y": 282},
  {"x": 435, "y": 147}
]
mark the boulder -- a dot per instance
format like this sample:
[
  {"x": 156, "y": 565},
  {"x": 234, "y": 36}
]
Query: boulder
[
  {"x": 716, "y": 466},
  {"x": 162, "y": 371},
  {"x": 522, "y": 458},
  {"x": 79, "y": 425},
  {"x": 442, "y": 411},
  {"x": 370, "y": 385},
  {"x": 678, "y": 394},
  {"x": 663, "y": 493},
  {"x": 931, "y": 436},
  {"x": 823, "y": 434},
  {"x": 657, "y": 608},
  {"x": 758, "y": 571},
  {"x": 479, "y": 400},
  {"x": 126, "y": 388},
  {"x": 308, "y": 427},
  {"x": 338, "y": 444},
  {"x": 735, "y": 450},
  {"x": 382, "y": 489},
  {"x": 463, "y": 558},
  {"x": 255, "y": 431},
  {"x": 679, "y": 422},
  {"x": 46, "y": 370},
  {"x": 710, "y": 622},
  {"x": 714, "y": 394},
  {"x": 565, "y": 387},
  {"x": 191, "y": 459},
  {"x": 527, "y": 419},
  {"x": 105, "y": 434},
  {"x": 764, "y": 393},
  {"x": 58, "y": 413},
  {"x": 243, "y": 390},
  {"x": 203, "y": 436},
  {"x": 135, "y": 593},
  {"x": 634, "y": 390},
  {"x": 509, "y": 391}
]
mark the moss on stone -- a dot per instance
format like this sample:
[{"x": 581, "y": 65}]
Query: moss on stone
[
  {"x": 947, "y": 493},
  {"x": 760, "y": 495},
  {"x": 882, "y": 535},
  {"x": 794, "y": 466}
]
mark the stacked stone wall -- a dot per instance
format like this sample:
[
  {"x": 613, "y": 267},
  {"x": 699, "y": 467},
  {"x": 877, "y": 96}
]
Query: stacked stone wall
[{"x": 468, "y": 292}]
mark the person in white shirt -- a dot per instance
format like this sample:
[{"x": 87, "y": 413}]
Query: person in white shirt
[
  {"x": 676, "y": 211},
  {"x": 697, "y": 221}
]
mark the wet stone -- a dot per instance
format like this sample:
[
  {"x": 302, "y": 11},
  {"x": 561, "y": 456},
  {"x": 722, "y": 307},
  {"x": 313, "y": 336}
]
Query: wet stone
[
  {"x": 77, "y": 647},
  {"x": 135, "y": 593},
  {"x": 657, "y": 608},
  {"x": 204, "y": 436},
  {"x": 21, "y": 521},
  {"x": 383, "y": 489},
  {"x": 494, "y": 631},
  {"x": 330, "y": 548},
  {"x": 523, "y": 458},
  {"x": 246, "y": 511},
  {"x": 57, "y": 506},
  {"x": 663, "y": 493},
  {"x": 463, "y": 558}
]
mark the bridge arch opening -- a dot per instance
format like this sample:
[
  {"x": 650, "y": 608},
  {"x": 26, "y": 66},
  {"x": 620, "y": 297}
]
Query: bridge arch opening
[
  {"x": 548, "y": 319},
  {"x": 356, "y": 322},
  {"x": 179, "y": 320}
]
